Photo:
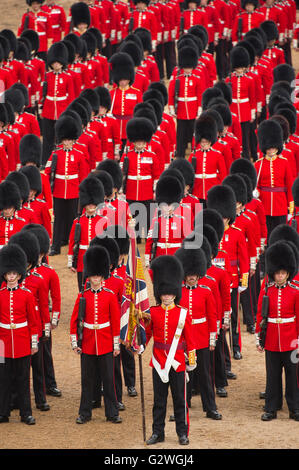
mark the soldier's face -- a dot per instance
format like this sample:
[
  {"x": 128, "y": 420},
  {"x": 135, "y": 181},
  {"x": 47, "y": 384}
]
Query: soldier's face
[
  {"x": 192, "y": 279},
  {"x": 271, "y": 152},
  {"x": 56, "y": 66},
  {"x": 8, "y": 212},
  {"x": 249, "y": 7},
  {"x": 281, "y": 277},
  {"x": 35, "y": 6},
  {"x": 96, "y": 282},
  {"x": 192, "y": 5},
  {"x": 90, "y": 209},
  {"x": 167, "y": 299},
  {"x": 67, "y": 144},
  {"x": 124, "y": 83},
  {"x": 102, "y": 111},
  {"x": 12, "y": 277},
  {"x": 205, "y": 144},
  {"x": 139, "y": 145}
]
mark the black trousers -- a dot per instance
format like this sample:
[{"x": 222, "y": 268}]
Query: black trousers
[
  {"x": 275, "y": 362},
  {"x": 218, "y": 362},
  {"x": 144, "y": 216},
  {"x": 107, "y": 50},
  {"x": 245, "y": 127},
  {"x": 253, "y": 140},
  {"x": 170, "y": 57},
  {"x": 272, "y": 221},
  {"x": 185, "y": 129},
  {"x": 128, "y": 365},
  {"x": 48, "y": 131},
  {"x": 49, "y": 372},
  {"x": 221, "y": 59},
  {"x": 203, "y": 375},
  {"x": 247, "y": 302},
  {"x": 93, "y": 366},
  {"x": 118, "y": 379},
  {"x": 38, "y": 375},
  {"x": 15, "y": 372},
  {"x": 65, "y": 211},
  {"x": 177, "y": 387},
  {"x": 159, "y": 56}
]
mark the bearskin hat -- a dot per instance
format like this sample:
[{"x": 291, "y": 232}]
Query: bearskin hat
[
  {"x": 151, "y": 94},
  {"x": 200, "y": 32},
  {"x": 211, "y": 235},
  {"x": 16, "y": 99},
  {"x": 11, "y": 38},
  {"x": 250, "y": 49},
  {"x": 135, "y": 52},
  {"x": 193, "y": 261},
  {"x": 30, "y": 150},
  {"x": 176, "y": 174},
  {"x": 256, "y": 43},
  {"x": 284, "y": 72},
  {"x": 242, "y": 165},
  {"x": 270, "y": 29},
  {"x": 9, "y": 195},
  {"x": 270, "y": 136},
  {"x": 104, "y": 97},
  {"x": 96, "y": 261},
  {"x": 260, "y": 34},
  {"x": 106, "y": 179},
  {"x": 284, "y": 124},
  {"x": 139, "y": 129},
  {"x": 32, "y": 173},
  {"x": 278, "y": 98},
  {"x": 76, "y": 41},
  {"x": 12, "y": 259},
  {"x": 187, "y": 170},
  {"x": 92, "y": 97},
  {"x": 22, "y": 183},
  {"x": 145, "y": 37},
  {"x": 121, "y": 236},
  {"x": 57, "y": 53},
  {"x": 161, "y": 88},
  {"x": 28, "y": 241},
  {"x": 239, "y": 57},
  {"x": 90, "y": 41},
  {"x": 206, "y": 128},
  {"x": 41, "y": 234},
  {"x": 111, "y": 246},
  {"x": 226, "y": 90},
  {"x": 158, "y": 108},
  {"x": 169, "y": 190},
  {"x": 284, "y": 232},
  {"x": 238, "y": 186},
  {"x": 10, "y": 112},
  {"x": 215, "y": 115},
  {"x": 187, "y": 57},
  {"x": 80, "y": 14},
  {"x": 29, "y": 2},
  {"x": 146, "y": 112},
  {"x": 295, "y": 191},
  {"x": 66, "y": 127},
  {"x": 208, "y": 95},
  {"x": 76, "y": 108},
  {"x": 163, "y": 283},
  {"x": 33, "y": 37},
  {"x": 280, "y": 256},
  {"x": 222, "y": 198},
  {"x": 224, "y": 112},
  {"x": 252, "y": 2},
  {"x": 282, "y": 85},
  {"x": 212, "y": 218},
  {"x": 98, "y": 37},
  {"x": 113, "y": 168},
  {"x": 23, "y": 50},
  {"x": 289, "y": 112},
  {"x": 122, "y": 67},
  {"x": 91, "y": 191},
  {"x": 23, "y": 89},
  {"x": 186, "y": 3},
  {"x": 143, "y": 1},
  {"x": 204, "y": 245},
  {"x": 248, "y": 184},
  {"x": 3, "y": 114},
  {"x": 5, "y": 46}
]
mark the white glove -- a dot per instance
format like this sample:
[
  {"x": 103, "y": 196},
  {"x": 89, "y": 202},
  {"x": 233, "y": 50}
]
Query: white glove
[{"x": 241, "y": 289}]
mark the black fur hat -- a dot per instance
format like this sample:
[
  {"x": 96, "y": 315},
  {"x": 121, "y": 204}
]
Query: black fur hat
[
  {"x": 41, "y": 234},
  {"x": 143, "y": 1},
  {"x": 30, "y": 150},
  {"x": 223, "y": 199},
  {"x": 22, "y": 183},
  {"x": 187, "y": 170},
  {"x": 211, "y": 235},
  {"x": 96, "y": 262},
  {"x": 122, "y": 67},
  {"x": 284, "y": 124},
  {"x": 91, "y": 42},
  {"x": 284, "y": 232},
  {"x": 131, "y": 37},
  {"x": 270, "y": 29},
  {"x": 278, "y": 98},
  {"x": 12, "y": 259},
  {"x": 33, "y": 37},
  {"x": 104, "y": 97},
  {"x": 28, "y": 241},
  {"x": 193, "y": 261},
  {"x": 270, "y": 135},
  {"x": 280, "y": 256},
  {"x": 284, "y": 72},
  {"x": 248, "y": 184},
  {"x": 80, "y": 14},
  {"x": 3, "y": 114},
  {"x": 282, "y": 85},
  {"x": 23, "y": 89},
  {"x": 9, "y": 195},
  {"x": 135, "y": 52},
  {"x": 176, "y": 174},
  {"x": 206, "y": 248},
  {"x": 208, "y": 95},
  {"x": 98, "y": 37},
  {"x": 92, "y": 97},
  {"x": 224, "y": 112},
  {"x": 24, "y": 49},
  {"x": 91, "y": 191},
  {"x": 161, "y": 88},
  {"x": 121, "y": 236},
  {"x": 80, "y": 110},
  {"x": 238, "y": 186},
  {"x": 11, "y": 38},
  {"x": 4, "y": 42},
  {"x": 10, "y": 112},
  {"x": 295, "y": 191},
  {"x": 239, "y": 57},
  {"x": 226, "y": 90},
  {"x": 169, "y": 190},
  {"x": 66, "y": 127},
  {"x": 200, "y": 32},
  {"x": 151, "y": 94},
  {"x": 34, "y": 178},
  {"x": 250, "y": 49},
  {"x": 258, "y": 33},
  {"x": 210, "y": 217},
  {"x": 206, "y": 128},
  {"x": 16, "y": 99},
  {"x": 253, "y": 2},
  {"x": 215, "y": 115},
  {"x": 158, "y": 108},
  {"x": 57, "y": 53},
  {"x": 256, "y": 43},
  {"x": 163, "y": 283},
  {"x": 145, "y": 37},
  {"x": 139, "y": 128},
  {"x": 76, "y": 41},
  {"x": 106, "y": 179},
  {"x": 289, "y": 112},
  {"x": 187, "y": 57},
  {"x": 242, "y": 165},
  {"x": 113, "y": 168},
  {"x": 146, "y": 112},
  {"x": 111, "y": 246}
]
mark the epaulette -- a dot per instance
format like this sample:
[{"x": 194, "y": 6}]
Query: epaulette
[
  {"x": 108, "y": 290},
  {"x": 222, "y": 142},
  {"x": 34, "y": 273},
  {"x": 215, "y": 150},
  {"x": 293, "y": 285},
  {"x": 194, "y": 197},
  {"x": 28, "y": 209},
  {"x": 246, "y": 216},
  {"x": 178, "y": 216},
  {"x": 133, "y": 88},
  {"x": 47, "y": 266},
  {"x": 2, "y": 288},
  {"x": 117, "y": 276},
  {"x": 259, "y": 159},
  {"x": 20, "y": 218},
  {"x": 283, "y": 158},
  {"x": 204, "y": 287},
  {"x": 210, "y": 277},
  {"x": 40, "y": 200},
  {"x": 25, "y": 289},
  {"x": 237, "y": 228}
]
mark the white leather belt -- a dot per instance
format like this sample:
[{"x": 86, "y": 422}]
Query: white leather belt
[
  {"x": 147, "y": 177},
  {"x": 56, "y": 98},
  {"x": 169, "y": 245},
  {"x": 99, "y": 326},
  {"x": 192, "y": 98},
  {"x": 244, "y": 100},
  {"x": 195, "y": 321},
  {"x": 205, "y": 175},
  {"x": 41, "y": 33},
  {"x": 13, "y": 326},
  {"x": 83, "y": 247},
  {"x": 210, "y": 25},
  {"x": 55, "y": 25},
  {"x": 109, "y": 140},
  {"x": 66, "y": 177},
  {"x": 281, "y": 320}
]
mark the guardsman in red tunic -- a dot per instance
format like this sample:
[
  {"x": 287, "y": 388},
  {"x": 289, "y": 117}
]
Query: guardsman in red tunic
[
  {"x": 81, "y": 16},
  {"x": 58, "y": 93},
  {"x": 172, "y": 331},
  {"x": 100, "y": 335},
  {"x": 208, "y": 163},
  {"x": 28, "y": 119},
  {"x": 280, "y": 330},
  {"x": 188, "y": 173},
  {"x": 39, "y": 21},
  {"x": 58, "y": 19},
  {"x": 272, "y": 52},
  {"x": 141, "y": 81},
  {"x": 91, "y": 194},
  {"x": 143, "y": 17},
  {"x": 67, "y": 174},
  {"x": 246, "y": 20},
  {"x": 294, "y": 220},
  {"x": 274, "y": 179},
  {"x": 10, "y": 202},
  {"x": 18, "y": 333},
  {"x": 274, "y": 12},
  {"x": 149, "y": 65},
  {"x": 192, "y": 15},
  {"x": 22, "y": 183}
]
